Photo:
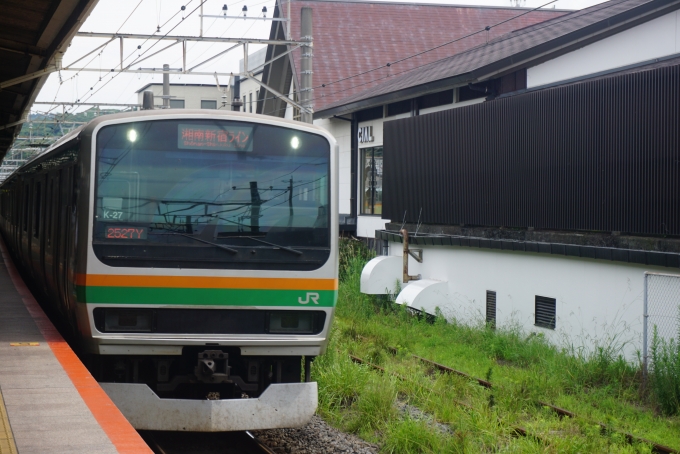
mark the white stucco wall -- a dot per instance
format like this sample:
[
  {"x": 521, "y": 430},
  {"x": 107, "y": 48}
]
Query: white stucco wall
[
  {"x": 248, "y": 88},
  {"x": 654, "y": 39},
  {"x": 341, "y": 130},
  {"x": 598, "y": 303}
]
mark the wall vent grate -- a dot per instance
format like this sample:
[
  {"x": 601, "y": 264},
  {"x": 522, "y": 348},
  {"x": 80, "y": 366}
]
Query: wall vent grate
[
  {"x": 491, "y": 309},
  {"x": 545, "y": 312}
]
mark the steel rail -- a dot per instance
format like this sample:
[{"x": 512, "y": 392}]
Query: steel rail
[
  {"x": 516, "y": 430},
  {"x": 263, "y": 447},
  {"x": 630, "y": 438}
]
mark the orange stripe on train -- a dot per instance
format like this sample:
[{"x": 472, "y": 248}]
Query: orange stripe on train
[{"x": 111, "y": 280}]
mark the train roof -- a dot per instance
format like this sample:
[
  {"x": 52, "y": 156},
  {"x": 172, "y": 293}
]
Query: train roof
[{"x": 87, "y": 129}]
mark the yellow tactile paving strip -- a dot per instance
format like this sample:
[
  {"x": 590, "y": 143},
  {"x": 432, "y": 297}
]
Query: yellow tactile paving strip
[{"x": 7, "y": 445}]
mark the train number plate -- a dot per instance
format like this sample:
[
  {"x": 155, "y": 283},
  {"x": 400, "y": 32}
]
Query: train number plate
[{"x": 126, "y": 233}]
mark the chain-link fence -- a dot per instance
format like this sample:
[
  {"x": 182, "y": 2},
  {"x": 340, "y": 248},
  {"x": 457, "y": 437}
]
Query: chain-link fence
[{"x": 661, "y": 310}]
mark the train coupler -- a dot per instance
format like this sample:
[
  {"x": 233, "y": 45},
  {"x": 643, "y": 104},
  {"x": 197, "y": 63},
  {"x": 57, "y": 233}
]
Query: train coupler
[{"x": 213, "y": 367}]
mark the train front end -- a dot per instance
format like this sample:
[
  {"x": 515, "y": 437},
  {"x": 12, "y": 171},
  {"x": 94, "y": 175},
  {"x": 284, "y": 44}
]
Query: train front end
[{"x": 210, "y": 268}]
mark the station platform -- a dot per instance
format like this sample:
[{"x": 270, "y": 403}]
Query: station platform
[{"x": 49, "y": 402}]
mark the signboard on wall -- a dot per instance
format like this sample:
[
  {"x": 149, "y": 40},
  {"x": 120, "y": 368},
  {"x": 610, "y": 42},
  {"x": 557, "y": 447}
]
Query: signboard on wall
[{"x": 365, "y": 134}]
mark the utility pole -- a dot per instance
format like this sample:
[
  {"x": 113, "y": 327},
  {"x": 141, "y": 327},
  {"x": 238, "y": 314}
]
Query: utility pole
[
  {"x": 290, "y": 203},
  {"x": 166, "y": 86},
  {"x": 236, "y": 103},
  {"x": 306, "y": 114}
]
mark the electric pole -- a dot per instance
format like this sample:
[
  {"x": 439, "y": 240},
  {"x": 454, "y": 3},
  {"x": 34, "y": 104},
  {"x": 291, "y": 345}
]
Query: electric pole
[
  {"x": 166, "y": 86},
  {"x": 306, "y": 114}
]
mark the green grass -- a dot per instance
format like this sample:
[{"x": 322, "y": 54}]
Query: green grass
[{"x": 599, "y": 387}]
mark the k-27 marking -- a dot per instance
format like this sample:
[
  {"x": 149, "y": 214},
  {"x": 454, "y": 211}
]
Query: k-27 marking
[{"x": 311, "y": 296}]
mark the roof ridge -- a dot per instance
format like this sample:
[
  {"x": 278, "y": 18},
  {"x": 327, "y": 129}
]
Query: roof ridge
[
  {"x": 494, "y": 44},
  {"x": 547, "y": 23},
  {"x": 444, "y": 5}
]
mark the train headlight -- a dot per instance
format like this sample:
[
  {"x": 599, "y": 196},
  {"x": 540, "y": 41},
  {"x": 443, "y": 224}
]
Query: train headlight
[
  {"x": 291, "y": 322},
  {"x": 127, "y": 321}
]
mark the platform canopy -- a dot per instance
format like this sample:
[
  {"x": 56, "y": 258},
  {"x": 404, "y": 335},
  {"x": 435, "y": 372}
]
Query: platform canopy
[{"x": 33, "y": 36}]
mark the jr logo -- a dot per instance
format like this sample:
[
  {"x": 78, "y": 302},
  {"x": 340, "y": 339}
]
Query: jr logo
[{"x": 311, "y": 296}]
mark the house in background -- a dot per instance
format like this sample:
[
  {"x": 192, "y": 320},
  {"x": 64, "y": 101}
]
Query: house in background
[
  {"x": 356, "y": 37},
  {"x": 552, "y": 203},
  {"x": 187, "y": 96},
  {"x": 603, "y": 38},
  {"x": 247, "y": 89}
]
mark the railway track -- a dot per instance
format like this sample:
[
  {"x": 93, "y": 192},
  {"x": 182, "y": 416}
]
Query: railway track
[
  {"x": 517, "y": 430},
  {"x": 204, "y": 443}
]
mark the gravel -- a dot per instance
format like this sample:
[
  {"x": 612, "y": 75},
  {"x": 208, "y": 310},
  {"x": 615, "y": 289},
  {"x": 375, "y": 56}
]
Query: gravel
[{"x": 314, "y": 438}]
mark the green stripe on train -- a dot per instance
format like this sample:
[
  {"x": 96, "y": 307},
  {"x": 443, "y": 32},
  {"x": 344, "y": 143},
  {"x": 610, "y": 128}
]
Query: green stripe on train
[{"x": 207, "y": 296}]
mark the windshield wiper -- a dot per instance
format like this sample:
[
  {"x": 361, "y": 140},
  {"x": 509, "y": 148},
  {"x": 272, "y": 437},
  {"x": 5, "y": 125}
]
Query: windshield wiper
[
  {"x": 228, "y": 249},
  {"x": 284, "y": 248}
]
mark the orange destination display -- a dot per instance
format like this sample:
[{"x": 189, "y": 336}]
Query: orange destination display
[{"x": 209, "y": 137}]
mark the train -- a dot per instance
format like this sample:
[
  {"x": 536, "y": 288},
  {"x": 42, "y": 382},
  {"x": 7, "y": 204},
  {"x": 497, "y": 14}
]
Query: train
[{"x": 192, "y": 255}]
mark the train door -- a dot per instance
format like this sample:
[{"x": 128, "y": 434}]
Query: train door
[{"x": 66, "y": 244}]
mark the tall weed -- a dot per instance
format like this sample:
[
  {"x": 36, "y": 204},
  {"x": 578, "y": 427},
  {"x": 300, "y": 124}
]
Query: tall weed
[
  {"x": 352, "y": 252},
  {"x": 665, "y": 373}
]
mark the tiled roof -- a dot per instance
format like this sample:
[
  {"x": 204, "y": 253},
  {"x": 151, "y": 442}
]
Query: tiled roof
[
  {"x": 351, "y": 37},
  {"x": 513, "y": 48}
]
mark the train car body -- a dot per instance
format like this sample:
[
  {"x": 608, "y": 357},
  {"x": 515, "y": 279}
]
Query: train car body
[{"x": 193, "y": 253}]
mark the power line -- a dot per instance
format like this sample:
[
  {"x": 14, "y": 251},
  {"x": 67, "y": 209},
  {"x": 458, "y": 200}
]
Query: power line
[
  {"x": 147, "y": 50},
  {"x": 129, "y": 16},
  {"x": 389, "y": 64}
]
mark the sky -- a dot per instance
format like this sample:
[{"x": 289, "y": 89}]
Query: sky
[{"x": 160, "y": 17}]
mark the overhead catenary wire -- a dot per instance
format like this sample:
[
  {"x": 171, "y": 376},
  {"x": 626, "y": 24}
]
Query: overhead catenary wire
[
  {"x": 113, "y": 76},
  {"x": 390, "y": 64},
  {"x": 515, "y": 34},
  {"x": 74, "y": 77},
  {"x": 324, "y": 85},
  {"x": 139, "y": 47},
  {"x": 231, "y": 23}
]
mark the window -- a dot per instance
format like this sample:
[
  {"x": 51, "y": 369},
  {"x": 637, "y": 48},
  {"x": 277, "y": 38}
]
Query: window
[
  {"x": 177, "y": 104},
  {"x": 371, "y": 180},
  {"x": 167, "y": 181},
  {"x": 436, "y": 99},
  {"x": 37, "y": 209},
  {"x": 245, "y": 106},
  {"x": 208, "y": 104},
  {"x": 466, "y": 94},
  {"x": 48, "y": 214},
  {"x": 397, "y": 108},
  {"x": 491, "y": 309},
  {"x": 370, "y": 114},
  {"x": 250, "y": 103},
  {"x": 26, "y": 206},
  {"x": 545, "y": 312}
]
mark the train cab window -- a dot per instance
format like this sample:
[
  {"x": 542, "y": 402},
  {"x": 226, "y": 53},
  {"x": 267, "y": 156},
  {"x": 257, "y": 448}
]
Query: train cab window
[
  {"x": 211, "y": 194},
  {"x": 37, "y": 209}
]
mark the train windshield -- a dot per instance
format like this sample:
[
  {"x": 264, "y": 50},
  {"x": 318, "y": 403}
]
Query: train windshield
[{"x": 211, "y": 194}]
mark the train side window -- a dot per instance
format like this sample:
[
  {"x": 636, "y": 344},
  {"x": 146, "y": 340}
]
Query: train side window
[
  {"x": 36, "y": 209},
  {"x": 48, "y": 214},
  {"x": 27, "y": 193}
]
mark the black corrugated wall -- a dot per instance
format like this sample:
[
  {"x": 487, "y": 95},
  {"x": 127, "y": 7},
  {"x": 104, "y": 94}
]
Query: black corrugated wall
[{"x": 602, "y": 155}]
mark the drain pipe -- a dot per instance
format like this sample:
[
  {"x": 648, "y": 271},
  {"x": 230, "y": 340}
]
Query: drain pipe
[{"x": 417, "y": 254}]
